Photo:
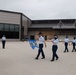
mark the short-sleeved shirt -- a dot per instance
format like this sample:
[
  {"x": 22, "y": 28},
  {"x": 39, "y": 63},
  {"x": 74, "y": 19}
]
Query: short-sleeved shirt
[
  {"x": 74, "y": 41},
  {"x": 55, "y": 41},
  {"x": 3, "y": 38},
  {"x": 66, "y": 40},
  {"x": 41, "y": 40}
]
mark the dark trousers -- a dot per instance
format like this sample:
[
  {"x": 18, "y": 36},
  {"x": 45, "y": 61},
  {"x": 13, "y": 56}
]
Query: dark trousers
[
  {"x": 66, "y": 47},
  {"x": 74, "y": 47},
  {"x": 3, "y": 44},
  {"x": 40, "y": 51},
  {"x": 54, "y": 50}
]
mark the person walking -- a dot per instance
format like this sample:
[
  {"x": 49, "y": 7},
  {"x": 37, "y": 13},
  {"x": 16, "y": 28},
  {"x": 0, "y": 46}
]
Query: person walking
[
  {"x": 41, "y": 43},
  {"x": 55, "y": 48},
  {"x": 66, "y": 41},
  {"x": 3, "y": 41},
  {"x": 73, "y": 43}
]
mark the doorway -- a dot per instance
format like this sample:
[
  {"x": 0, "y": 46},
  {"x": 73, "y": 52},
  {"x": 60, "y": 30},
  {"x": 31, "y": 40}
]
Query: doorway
[
  {"x": 45, "y": 37},
  {"x": 32, "y": 37}
]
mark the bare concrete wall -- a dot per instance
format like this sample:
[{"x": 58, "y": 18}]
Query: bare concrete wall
[
  {"x": 25, "y": 23},
  {"x": 29, "y": 22}
]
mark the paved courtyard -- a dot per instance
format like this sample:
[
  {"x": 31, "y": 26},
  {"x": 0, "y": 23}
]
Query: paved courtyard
[{"x": 18, "y": 59}]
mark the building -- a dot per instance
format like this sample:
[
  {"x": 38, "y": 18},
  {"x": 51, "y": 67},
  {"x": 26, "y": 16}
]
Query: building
[
  {"x": 15, "y": 25},
  {"x": 61, "y": 27}
]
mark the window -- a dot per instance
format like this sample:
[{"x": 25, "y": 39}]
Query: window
[
  {"x": 1, "y": 27},
  {"x": 6, "y": 27},
  {"x": 17, "y": 28},
  {"x": 12, "y": 28}
]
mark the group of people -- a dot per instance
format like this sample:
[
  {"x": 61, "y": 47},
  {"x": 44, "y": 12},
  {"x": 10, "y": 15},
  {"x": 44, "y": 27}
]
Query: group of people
[
  {"x": 54, "y": 46},
  {"x": 72, "y": 42}
]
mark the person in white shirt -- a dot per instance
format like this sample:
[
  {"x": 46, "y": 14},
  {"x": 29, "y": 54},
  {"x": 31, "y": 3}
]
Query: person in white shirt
[
  {"x": 3, "y": 41},
  {"x": 55, "y": 47},
  {"x": 74, "y": 42},
  {"x": 41, "y": 43},
  {"x": 66, "y": 41}
]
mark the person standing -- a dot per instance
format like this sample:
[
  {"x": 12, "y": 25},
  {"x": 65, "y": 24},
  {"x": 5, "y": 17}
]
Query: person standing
[
  {"x": 66, "y": 41},
  {"x": 3, "y": 41},
  {"x": 41, "y": 43},
  {"x": 73, "y": 43},
  {"x": 54, "y": 48}
]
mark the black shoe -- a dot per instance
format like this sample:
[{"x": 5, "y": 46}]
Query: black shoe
[
  {"x": 72, "y": 50},
  {"x": 57, "y": 58},
  {"x": 36, "y": 58},
  {"x": 43, "y": 58},
  {"x": 67, "y": 51},
  {"x": 64, "y": 51},
  {"x": 52, "y": 60}
]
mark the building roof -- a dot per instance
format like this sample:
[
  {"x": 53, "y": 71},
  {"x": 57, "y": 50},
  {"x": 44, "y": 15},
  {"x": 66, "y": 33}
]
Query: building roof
[
  {"x": 14, "y": 13},
  {"x": 53, "y": 26}
]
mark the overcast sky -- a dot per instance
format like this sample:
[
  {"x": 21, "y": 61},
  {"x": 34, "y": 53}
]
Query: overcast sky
[{"x": 42, "y": 9}]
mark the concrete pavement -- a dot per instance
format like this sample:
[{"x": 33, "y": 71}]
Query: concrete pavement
[{"x": 18, "y": 59}]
